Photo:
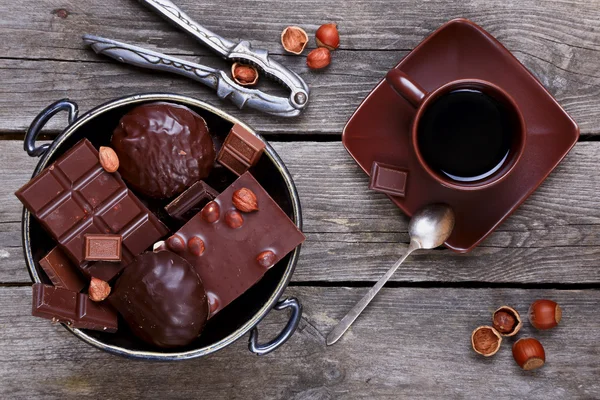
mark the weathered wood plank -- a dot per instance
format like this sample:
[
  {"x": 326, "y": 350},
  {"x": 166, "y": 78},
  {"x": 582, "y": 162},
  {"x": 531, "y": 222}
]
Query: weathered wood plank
[
  {"x": 355, "y": 234},
  {"x": 42, "y": 57},
  {"x": 409, "y": 343}
]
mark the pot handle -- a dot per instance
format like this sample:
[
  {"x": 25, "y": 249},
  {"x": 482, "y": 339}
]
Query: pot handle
[
  {"x": 41, "y": 120},
  {"x": 284, "y": 335}
]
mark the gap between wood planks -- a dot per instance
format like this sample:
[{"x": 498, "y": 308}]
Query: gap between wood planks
[{"x": 271, "y": 137}]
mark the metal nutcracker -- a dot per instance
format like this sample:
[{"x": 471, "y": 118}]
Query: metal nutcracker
[{"x": 216, "y": 79}]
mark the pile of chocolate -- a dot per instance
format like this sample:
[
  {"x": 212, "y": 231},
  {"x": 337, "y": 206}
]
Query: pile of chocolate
[{"x": 115, "y": 256}]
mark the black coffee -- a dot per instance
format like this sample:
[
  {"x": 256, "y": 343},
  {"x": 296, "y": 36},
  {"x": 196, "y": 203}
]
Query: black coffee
[{"x": 465, "y": 134}]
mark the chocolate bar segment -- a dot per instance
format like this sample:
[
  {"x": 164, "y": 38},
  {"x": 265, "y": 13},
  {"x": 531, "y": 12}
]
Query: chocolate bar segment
[
  {"x": 102, "y": 247},
  {"x": 190, "y": 202},
  {"x": 388, "y": 179},
  {"x": 233, "y": 257},
  {"x": 75, "y": 196},
  {"x": 105, "y": 270},
  {"x": 241, "y": 150},
  {"x": 61, "y": 271},
  {"x": 72, "y": 308}
]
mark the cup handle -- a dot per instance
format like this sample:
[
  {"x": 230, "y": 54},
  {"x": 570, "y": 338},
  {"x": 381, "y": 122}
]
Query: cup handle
[{"x": 405, "y": 87}]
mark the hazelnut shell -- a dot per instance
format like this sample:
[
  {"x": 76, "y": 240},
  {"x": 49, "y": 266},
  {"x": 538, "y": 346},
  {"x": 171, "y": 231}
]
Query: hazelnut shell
[
  {"x": 486, "y": 340},
  {"x": 244, "y": 74},
  {"x": 529, "y": 353},
  {"x": 513, "y": 330},
  {"x": 294, "y": 39},
  {"x": 544, "y": 314}
]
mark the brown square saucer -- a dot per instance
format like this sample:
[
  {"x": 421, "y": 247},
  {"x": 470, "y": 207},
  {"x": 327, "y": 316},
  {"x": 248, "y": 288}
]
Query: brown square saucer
[{"x": 379, "y": 130}]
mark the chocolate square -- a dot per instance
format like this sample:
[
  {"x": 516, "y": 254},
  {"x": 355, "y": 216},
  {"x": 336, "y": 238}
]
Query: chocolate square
[
  {"x": 102, "y": 247},
  {"x": 388, "y": 179},
  {"x": 241, "y": 150},
  {"x": 61, "y": 271},
  {"x": 190, "y": 202}
]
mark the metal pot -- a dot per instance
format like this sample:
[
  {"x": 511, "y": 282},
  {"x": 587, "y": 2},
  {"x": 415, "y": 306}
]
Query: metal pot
[{"x": 238, "y": 318}]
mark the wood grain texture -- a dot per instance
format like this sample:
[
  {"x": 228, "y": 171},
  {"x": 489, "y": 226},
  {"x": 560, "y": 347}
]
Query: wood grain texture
[
  {"x": 43, "y": 59},
  {"x": 354, "y": 234},
  {"x": 410, "y": 343}
]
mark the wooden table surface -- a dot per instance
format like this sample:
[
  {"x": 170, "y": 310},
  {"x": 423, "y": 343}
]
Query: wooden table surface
[{"x": 413, "y": 341}]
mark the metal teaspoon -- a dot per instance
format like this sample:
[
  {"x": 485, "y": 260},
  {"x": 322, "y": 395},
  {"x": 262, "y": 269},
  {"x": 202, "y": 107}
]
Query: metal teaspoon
[{"x": 428, "y": 228}]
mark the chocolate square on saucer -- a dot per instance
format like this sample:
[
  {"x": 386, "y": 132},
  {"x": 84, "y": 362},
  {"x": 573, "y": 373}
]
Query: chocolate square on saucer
[{"x": 388, "y": 179}]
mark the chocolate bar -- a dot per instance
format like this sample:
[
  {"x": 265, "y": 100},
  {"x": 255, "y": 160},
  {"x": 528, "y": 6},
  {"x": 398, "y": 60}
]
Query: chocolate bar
[
  {"x": 61, "y": 271},
  {"x": 190, "y": 202},
  {"x": 241, "y": 150},
  {"x": 388, "y": 179},
  {"x": 102, "y": 247},
  {"x": 72, "y": 308},
  {"x": 230, "y": 260},
  {"x": 75, "y": 196}
]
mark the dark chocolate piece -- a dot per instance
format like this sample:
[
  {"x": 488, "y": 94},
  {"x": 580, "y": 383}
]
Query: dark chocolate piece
[
  {"x": 163, "y": 148},
  {"x": 162, "y": 299},
  {"x": 72, "y": 308},
  {"x": 100, "y": 247},
  {"x": 190, "y": 202},
  {"x": 241, "y": 150},
  {"x": 105, "y": 270},
  {"x": 61, "y": 271},
  {"x": 232, "y": 260},
  {"x": 75, "y": 196},
  {"x": 388, "y": 179}
]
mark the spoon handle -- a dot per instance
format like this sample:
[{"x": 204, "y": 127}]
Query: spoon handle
[{"x": 345, "y": 323}]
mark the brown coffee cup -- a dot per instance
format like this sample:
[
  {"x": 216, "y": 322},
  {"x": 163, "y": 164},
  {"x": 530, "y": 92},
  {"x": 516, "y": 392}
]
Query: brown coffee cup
[{"x": 422, "y": 100}]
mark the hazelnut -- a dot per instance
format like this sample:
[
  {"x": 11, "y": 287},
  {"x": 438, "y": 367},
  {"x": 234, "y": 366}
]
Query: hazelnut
[
  {"x": 544, "y": 314},
  {"x": 98, "y": 290},
  {"x": 245, "y": 75},
  {"x": 318, "y": 58},
  {"x": 244, "y": 200},
  {"x": 108, "y": 159},
  {"x": 213, "y": 303},
  {"x": 211, "y": 212},
  {"x": 529, "y": 353},
  {"x": 507, "y": 321},
  {"x": 176, "y": 243},
  {"x": 294, "y": 39},
  {"x": 266, "y": 259},
  {"x": 234, "y": 219},
  {"x": 327, "y": 36},
  {"x": 486, "y": 340},
  {"x": 158, "y": 246},
  {"x": 196, "y": 246}
]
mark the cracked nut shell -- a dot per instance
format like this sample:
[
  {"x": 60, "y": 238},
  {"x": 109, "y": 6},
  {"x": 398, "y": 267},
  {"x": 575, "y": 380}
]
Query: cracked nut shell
[
  {"x": 486, "y": 340},
  {"x": 507, "y": 321},
  {"x": 243, "y": 74},
  {"x": 294, "y": 39}
]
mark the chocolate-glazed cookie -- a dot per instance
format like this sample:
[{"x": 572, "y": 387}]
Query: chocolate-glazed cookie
[
  {"x": 163, "y": 148},
  {"x": 162, "y": 299}
]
